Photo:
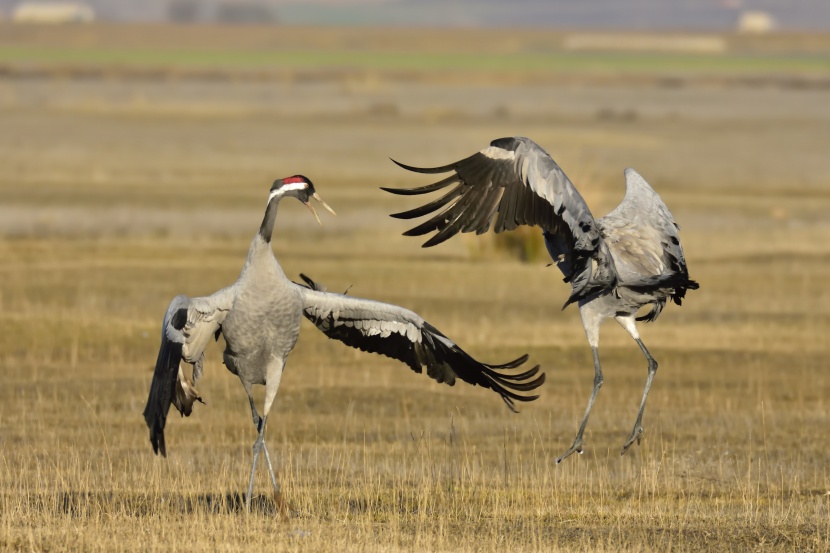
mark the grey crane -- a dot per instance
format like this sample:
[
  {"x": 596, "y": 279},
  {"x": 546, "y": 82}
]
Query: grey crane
[
  {"x": 259, "y": 317},
  {"x": 617, "y": 264}
]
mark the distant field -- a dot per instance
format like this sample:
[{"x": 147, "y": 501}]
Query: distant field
[
  {"x": 572, "y": 62},
  {"x": 118, "y": 193}
]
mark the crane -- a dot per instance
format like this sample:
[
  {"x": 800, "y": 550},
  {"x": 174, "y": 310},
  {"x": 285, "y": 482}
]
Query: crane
[
  {"x": 615, "y": 265},
  {"x": 259, "y": 317}
]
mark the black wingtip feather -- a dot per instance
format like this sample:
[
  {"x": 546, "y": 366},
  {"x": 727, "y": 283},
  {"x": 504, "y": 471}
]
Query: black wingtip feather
[
  {"x": 411, "y": 191},
  {"x": 425, "y": 170},
  {"x": 506, "y": 384},
  {"x": 525, "y": 386},
  {"x": 422, "y": 189},
  {"x": 440, "y": 238},
  {"x": 515, "y": 363},
  {"x": 521, "y": 376},
  {"x": 422, "y": 229},
  {"x": 431, "y": 206}
]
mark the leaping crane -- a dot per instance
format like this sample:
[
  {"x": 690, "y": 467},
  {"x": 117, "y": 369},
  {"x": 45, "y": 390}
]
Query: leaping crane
[{"x": 617, "y": 264}]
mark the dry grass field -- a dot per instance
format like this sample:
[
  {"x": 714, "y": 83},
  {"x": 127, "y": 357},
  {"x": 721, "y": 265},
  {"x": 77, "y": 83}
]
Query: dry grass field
[{"x": 121, "y": 187}]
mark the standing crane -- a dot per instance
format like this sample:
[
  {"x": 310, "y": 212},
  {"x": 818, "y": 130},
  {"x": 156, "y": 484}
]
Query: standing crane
[
  {"x": 259, "y": 317},
  {"x": 617, "y": 264}
]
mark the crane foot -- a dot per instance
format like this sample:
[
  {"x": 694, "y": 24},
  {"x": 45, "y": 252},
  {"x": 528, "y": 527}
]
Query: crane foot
[
  {"x": 285, "y": 510},
  {"x": 575, "y": 448},
  {"x": 636, "y": 436}
]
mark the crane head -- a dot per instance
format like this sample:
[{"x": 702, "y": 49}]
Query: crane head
[{"x": 301, "y": 188}]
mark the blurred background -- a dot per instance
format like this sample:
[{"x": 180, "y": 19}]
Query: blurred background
[
  {"x": 138, "y": 141},
  {"x": 707, "y": 15}
]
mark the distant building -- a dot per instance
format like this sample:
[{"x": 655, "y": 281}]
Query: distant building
[
  {"x": 184, "y": 11},
  {"x": 241, "y": 12},
  {"x": 53, "y": 12},
  {"x": 222, "y": 11},
  {"x": 755, "y": 22}
]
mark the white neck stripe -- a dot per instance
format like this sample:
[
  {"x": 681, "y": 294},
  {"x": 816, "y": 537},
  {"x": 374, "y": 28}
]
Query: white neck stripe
[{"x": 294, "y": 186}]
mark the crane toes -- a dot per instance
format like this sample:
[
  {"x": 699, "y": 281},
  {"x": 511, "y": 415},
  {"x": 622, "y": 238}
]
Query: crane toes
[{"x": 636, "y": 436}]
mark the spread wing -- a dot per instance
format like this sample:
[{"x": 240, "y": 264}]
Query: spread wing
[
  {"x": 645, "y": 243},
  {"x": 510, "y": 183},
  {"x": 188, "y": 326},
  {"x": 403, "y": 335}
]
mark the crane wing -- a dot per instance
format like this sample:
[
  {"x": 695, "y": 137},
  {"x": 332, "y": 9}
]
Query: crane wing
[
  {"x": 401, "y": 334},
  {"x": 510, "y": 183},
  {"x": 645, "y": 243},
  {"x": 188, "y": 326}
]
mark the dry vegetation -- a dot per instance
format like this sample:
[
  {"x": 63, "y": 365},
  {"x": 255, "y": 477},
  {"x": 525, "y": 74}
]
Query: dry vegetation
[{"x": 117, "y": 194}]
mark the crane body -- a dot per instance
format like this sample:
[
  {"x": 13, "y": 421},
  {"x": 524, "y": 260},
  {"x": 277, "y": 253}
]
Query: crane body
[{"x": 259, "y": 317}]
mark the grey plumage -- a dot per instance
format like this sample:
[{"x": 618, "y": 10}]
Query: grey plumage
[
  {"x": 616, "y": 265},
  {"x": 259, "y": 317}
]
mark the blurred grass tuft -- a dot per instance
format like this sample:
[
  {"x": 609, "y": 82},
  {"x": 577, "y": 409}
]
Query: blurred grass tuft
[{"x": 524, "y": 244}]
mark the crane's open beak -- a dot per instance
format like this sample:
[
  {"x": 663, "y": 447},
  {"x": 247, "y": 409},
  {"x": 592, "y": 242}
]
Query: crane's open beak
[{"x": 324, "y": 204}]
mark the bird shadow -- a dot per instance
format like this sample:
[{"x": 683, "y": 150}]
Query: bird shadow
[{"x": 84, "y": 504}]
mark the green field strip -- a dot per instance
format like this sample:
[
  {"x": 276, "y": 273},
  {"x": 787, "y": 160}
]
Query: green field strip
[{"x": 514, "y": 62}]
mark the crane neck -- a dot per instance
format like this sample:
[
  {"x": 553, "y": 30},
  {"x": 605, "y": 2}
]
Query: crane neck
[{"x": 266, "y": 229}]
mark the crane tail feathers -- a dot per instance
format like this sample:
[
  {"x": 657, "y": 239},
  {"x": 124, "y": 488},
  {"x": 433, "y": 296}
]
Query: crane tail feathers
[{"x": 311, "y": 284}]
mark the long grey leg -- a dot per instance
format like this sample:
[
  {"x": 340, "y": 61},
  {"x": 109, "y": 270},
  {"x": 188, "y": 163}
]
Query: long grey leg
[
  {"x": 283, "y": 508},
  {"x": 258, "y": 445},
  {"x": 637, "y": 433},
  {"x": 577, "y": 445},
  {"x": 270, "y": 466}
]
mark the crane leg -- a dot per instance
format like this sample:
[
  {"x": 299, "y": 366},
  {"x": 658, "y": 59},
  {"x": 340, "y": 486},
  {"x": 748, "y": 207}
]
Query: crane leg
[
  {"x": 260, "y": 447},
  {"x": 282, "y": 506},
  {"x": 576, "y": 447},
  {"x": 637, "y": 433}
]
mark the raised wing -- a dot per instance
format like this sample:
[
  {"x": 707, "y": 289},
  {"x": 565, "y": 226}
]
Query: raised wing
[
  {"x": 510, "y": 183},
  {"x": 403, "y": 335},
  {"x": 188, "y": 326},
  {"x": 644, "y": 242}
]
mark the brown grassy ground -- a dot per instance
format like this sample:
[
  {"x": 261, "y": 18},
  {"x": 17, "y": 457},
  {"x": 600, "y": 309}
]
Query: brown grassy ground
[{"x": 115, "y": 195}]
